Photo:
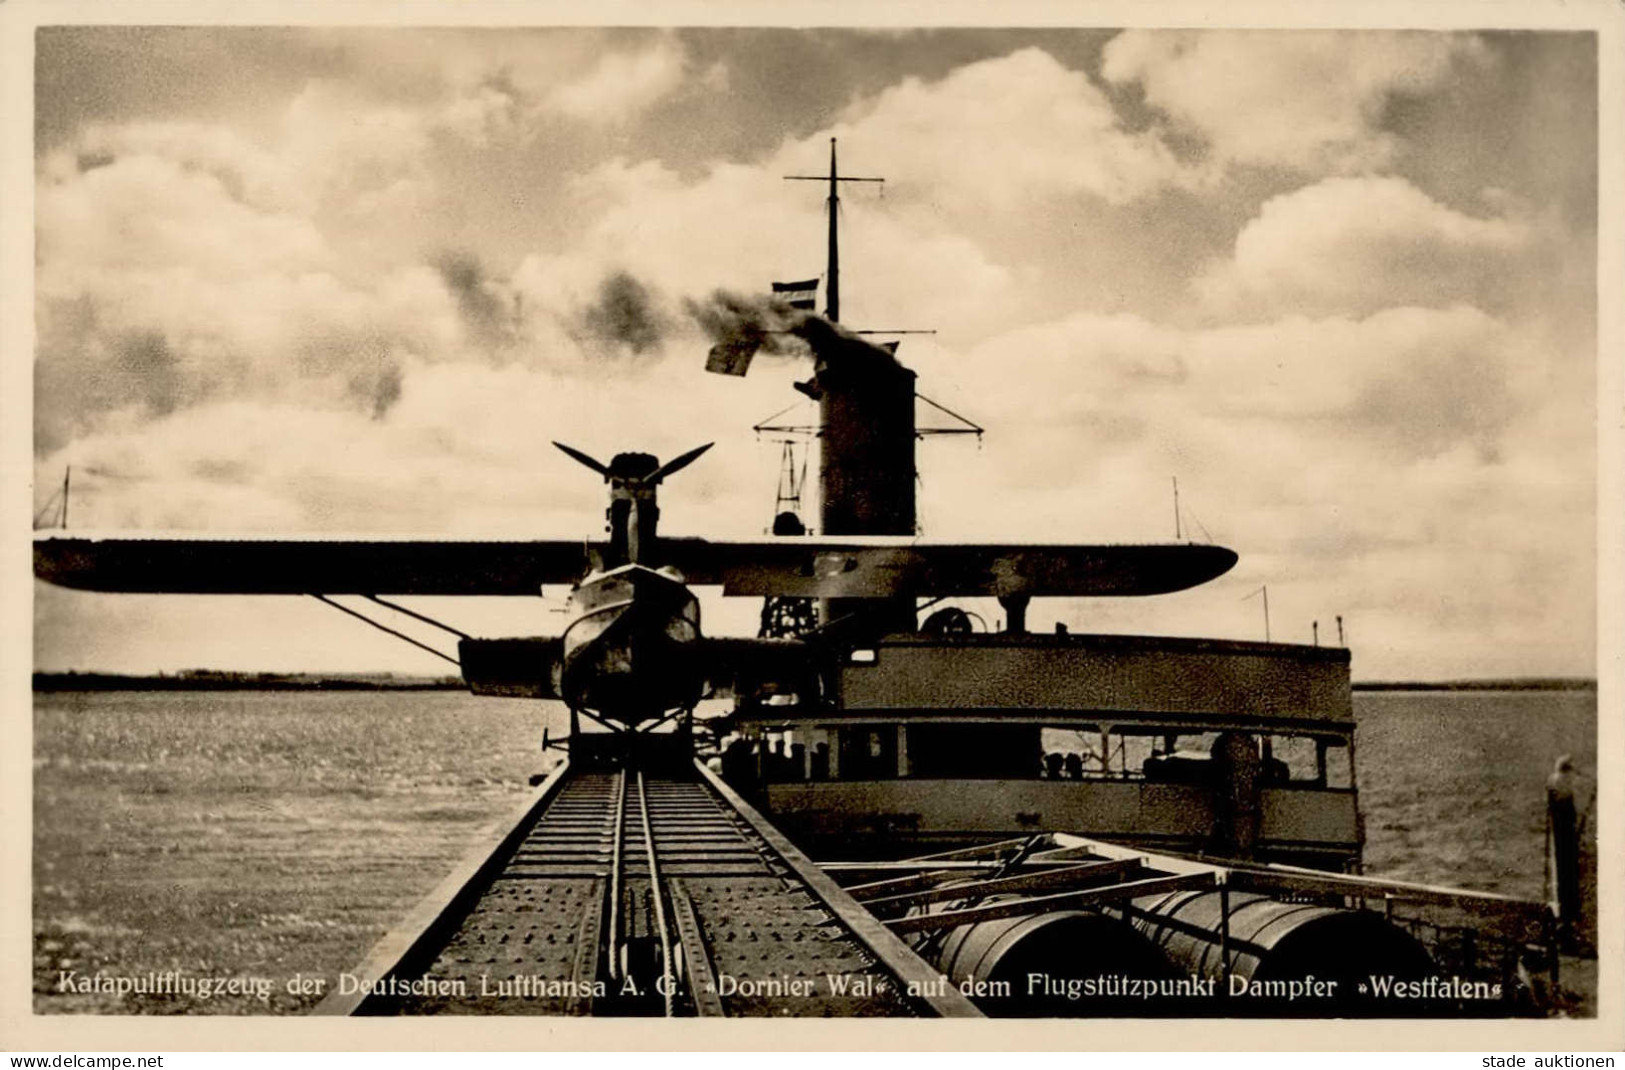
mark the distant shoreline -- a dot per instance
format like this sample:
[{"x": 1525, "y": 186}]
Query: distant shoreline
[
  {"x": 1531, "y": 683},
  {"x": 206, "y": 680},
  {"x": 209, "y": 680}
]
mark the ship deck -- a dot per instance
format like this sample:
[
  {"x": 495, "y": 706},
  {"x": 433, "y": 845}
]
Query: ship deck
[{"x": 620, "y": 892}]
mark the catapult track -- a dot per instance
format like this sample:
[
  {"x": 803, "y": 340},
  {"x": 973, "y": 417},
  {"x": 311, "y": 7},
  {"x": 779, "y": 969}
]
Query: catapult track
[{"x": 648, "y": 893}]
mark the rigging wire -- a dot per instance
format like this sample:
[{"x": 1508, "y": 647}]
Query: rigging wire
[
  {"x": 971, "y": 426},
  {"x": 50, "y": 504},
  {"x": 386, "y": 629},
  {"x": 1192, "y": 517},
  {"x": 418, "y": 616}
]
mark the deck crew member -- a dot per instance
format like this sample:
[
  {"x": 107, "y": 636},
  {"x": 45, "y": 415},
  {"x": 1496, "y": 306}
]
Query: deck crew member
[
  {"x": 1563, "y": 817},
  {"x": 1237, "y": 793}
]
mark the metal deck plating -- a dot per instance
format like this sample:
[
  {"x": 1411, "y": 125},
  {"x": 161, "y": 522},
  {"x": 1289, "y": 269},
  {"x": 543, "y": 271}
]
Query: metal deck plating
[{"x": 633, "y": 893}]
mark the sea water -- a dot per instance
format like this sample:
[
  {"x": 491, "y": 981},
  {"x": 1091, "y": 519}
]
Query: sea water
[{"x": 1452, "y": 783}]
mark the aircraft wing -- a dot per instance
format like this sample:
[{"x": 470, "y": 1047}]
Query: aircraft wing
[
  {"x": 876, "y": 568},
  {"x": 812, "y": 567},
  {"x": 307, "y": 566}
]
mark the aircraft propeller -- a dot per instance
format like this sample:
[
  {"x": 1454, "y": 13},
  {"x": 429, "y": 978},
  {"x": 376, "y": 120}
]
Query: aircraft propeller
[
  {"x": 595, "y": 465},
  {"x": 676, "y": 464}
]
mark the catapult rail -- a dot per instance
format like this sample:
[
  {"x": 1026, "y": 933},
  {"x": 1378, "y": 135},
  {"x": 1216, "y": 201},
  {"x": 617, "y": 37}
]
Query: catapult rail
[{"x": 641, "y": 892}]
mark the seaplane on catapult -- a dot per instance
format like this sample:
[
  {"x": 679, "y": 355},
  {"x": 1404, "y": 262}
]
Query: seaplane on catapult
[{"x": 1005, "y": 804}]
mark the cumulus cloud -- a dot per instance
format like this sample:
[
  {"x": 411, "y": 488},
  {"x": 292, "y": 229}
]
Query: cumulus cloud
[
  {"x": 1393, "y": 468},
  {"x": 914, "y": 253},
  {"x": 644, "y": 217},
  {"x": 491, "y": 87},
  {"x": 161, "y": 284},
  {"x": 1286, "y": 98},
  {"x": 919, "y": 253},
  {"x": 328, "y": 151},
  {"x": 621, "y": 84},
  {"x": 247, "y": 171},
  {"x": 350, "y": 155},
  {"x": 182, "y": 262},
  {"x": 465, "y": 449},
  {"x": 1073, "y": 401},
  {"x": 1357, "y": 245},
  {"x": 1417, "y": 380},
  {"x": 489, "y": 108},
  {"x": 994, "y": 134}
]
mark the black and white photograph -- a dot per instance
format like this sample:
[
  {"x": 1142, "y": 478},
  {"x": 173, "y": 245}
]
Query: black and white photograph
[{"x": 1060, "y": 519}]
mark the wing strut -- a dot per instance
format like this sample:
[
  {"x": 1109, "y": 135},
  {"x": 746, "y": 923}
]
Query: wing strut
[
  {"x": 418, "y": 616},
  {"x": 385, "y": 628}
]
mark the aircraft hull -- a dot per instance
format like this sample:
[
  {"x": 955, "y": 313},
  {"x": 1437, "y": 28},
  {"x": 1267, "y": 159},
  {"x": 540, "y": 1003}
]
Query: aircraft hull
[{"x": 631, "y": 653}]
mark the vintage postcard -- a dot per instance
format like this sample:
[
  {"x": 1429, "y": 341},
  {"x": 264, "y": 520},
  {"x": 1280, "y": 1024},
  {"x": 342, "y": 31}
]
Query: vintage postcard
[{"x": 1061, "y": 520}]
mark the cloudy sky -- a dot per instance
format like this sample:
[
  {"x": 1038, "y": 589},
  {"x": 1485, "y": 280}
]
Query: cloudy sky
[{"x": 1342, "y": 285}]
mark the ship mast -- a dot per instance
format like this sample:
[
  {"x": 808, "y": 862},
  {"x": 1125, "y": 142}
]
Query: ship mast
[{"x": 832, "y": 273}]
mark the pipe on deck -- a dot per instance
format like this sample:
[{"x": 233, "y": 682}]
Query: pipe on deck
[
  {"x": 1166, "y": 955},
  {"x": 1284, "y": 958}
]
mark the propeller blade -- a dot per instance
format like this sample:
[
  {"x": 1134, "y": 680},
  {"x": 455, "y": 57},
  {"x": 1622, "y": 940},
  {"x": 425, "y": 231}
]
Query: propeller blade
[
  {"x": 678, "y": 463},
  {"x": 584, "y": 459}
]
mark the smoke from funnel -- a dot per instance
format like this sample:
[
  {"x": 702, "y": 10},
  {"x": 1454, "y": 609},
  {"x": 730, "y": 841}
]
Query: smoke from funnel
[
  {"x": 728, "y": 318},
  {"x": 740, "y": 327},
  {"x": 625, "y": 315},
  {"x": 376, "y": 380},
  {"x": 485, "y": 310},
  {"x": 387, "y": 391}
]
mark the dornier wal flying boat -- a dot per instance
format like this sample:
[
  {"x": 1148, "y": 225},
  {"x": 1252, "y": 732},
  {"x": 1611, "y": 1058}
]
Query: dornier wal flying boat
[{"x": 633, "y": 651}]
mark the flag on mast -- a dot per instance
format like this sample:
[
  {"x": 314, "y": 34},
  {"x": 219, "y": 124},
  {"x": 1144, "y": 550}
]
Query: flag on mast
[{"x": 802, "y": 295}]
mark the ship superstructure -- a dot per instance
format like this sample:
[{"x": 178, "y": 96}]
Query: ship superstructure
[{"x": 930, "y": 731}]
